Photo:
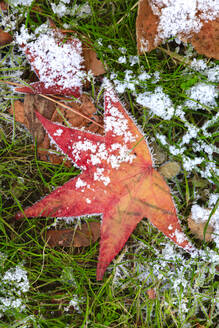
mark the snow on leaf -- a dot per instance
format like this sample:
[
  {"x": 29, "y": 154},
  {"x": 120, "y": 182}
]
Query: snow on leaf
[
  {"x": 195, "y": 21},
  {"x": 56, "y": 61},
  {"x": 119, "y": 183}
]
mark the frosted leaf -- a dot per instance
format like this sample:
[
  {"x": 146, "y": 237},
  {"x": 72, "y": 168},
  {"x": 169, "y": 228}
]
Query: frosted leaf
[
  {"x": 54, "y": 61},
  {"x": 181, "y": 16}
]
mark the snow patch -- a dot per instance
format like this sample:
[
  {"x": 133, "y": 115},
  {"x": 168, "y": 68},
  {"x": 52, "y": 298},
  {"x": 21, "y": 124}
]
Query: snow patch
[{"x": 58, "y": 133}]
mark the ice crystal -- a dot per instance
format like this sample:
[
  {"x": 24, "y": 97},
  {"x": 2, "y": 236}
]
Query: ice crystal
[{"x": 13, "y": 285}]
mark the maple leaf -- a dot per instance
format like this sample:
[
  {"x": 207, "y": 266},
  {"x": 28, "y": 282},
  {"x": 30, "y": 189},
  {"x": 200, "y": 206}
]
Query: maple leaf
[
  {"x": 56, "y": 62},
  {"x": 117, "y": 180}
]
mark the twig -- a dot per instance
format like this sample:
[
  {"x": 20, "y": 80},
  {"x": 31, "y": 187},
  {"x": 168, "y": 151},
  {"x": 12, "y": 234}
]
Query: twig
[
  {"x": 71, "y": 109},
  {"x": 11, "y": 83},
  {"x": 57, "y": 102}
]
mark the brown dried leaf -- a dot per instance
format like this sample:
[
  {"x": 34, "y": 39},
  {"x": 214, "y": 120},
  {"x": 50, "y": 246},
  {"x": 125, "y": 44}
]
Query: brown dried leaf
[
  {"x": 18, "y": 110},
  {"x": 87, "y": 108},
  {"x": 25, "y": 114},
  {"x": 45, "y": 107},
  {"x": 199, "y": 326},
  {"x": 5, "y": 37},
  {"x": 91, "y": 62},
  {"x": 88, "y": 234},
  {"x": 146, "y": 27},
  {"x": 151, "y": 294},
  {"x": 198, "y": 229},
  {"x": 206, "y": 42},
  {"x": 169, "y": 169},
  {"x": 3, "y": 5}
]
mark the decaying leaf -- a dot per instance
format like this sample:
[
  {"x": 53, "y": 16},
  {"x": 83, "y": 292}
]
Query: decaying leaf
[
  {"x": 25, "y": 114},
  {"x": 157, "y": 21},
  {"x": 91, "y": 62},
  {"x": 5, "y": 37},
  {"x": 17, "y": 109},
  {"x": 199, "y": 218},
  {"x": 169, "y": 169},
  {"x": 146, "y": 27},
  {"x": 3, "y": 5},
  {"x": 118, "y": 181},
  {"x": 84, "y": 236},
  {"x": 151, "y": 294},
  {"x": 198, "y": 229},
  {"x": 206, "y": 42}
]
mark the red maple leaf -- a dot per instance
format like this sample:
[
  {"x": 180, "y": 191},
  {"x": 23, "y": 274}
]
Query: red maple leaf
[
  {"x": 117, "y": 180},
  {"x": 56, "y": 62}
]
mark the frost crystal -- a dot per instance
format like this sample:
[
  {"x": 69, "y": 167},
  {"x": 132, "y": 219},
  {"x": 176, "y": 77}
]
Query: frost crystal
[
  {"x": 213, "y": 74},
  {"x": 200, "y": 214},
  {"x": 13, "y": 284},
  {"x": 158, "y": 102},
  {"x": 58, "y": 133},
  {"x": 20, "y": 2},
  {"x": 202, "y": 93},
  {"x": 75, "y": 303},
  {"x": 98, "y": 175},
  {"x": 80, "y": 183},
  {"x": 122, "y": 60},
  {"x": 189, "y": 163}
]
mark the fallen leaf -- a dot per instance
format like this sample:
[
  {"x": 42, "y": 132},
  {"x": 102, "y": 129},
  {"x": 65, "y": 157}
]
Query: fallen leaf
[
  {"x": 3, "y": 5},
  {"x": 169, "y": 169},
  {"x": 151, "y": 294},
  {"x": 198, "y": 325},
  {"x": 88, "y": 234},
  {"x": 91, "y": 62},
  {"x": 160, "y": 155},
  {"x": 146, "y": 27},
  {"x": 117, "y": 181},
  {"x": 50, "y": 58},
  {"x": 152, "y": 29},
  {"x": 198, "y": 229},
  {"x": 206, "y": 42},
  {"x": 5, "y": 38},
  {"x": 57, "y": 64},
  {"x": 18, "y": 110},
  {"x": 25, "y": 114}
]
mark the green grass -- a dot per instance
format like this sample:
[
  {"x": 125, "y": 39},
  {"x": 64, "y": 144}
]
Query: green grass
[{"x": 185, "y": 288}]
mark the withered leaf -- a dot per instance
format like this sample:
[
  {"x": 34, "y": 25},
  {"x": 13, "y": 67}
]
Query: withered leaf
[
  {"x": 91, "y": 62},
  {"x": 151, "y": 293},
  {"x": 5, "y": 37},
  {"x": 146, "y": 27},
  {"x": 198, "y": 229},
  {"x": 84, "y": 236},
  {"x": 3, "y": 5},
  {"x": 17, "y": 109},
  {"x": 25, "y": 114},
  {"x": 169, "y": 169},
  {"x": 206, "y": 42}
]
